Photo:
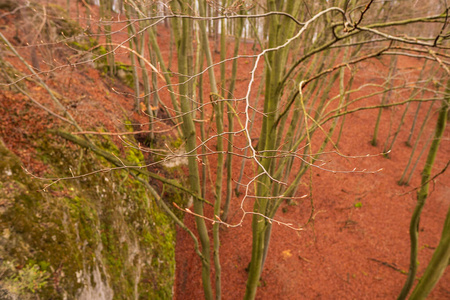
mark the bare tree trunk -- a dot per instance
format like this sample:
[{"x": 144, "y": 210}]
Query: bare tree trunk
[
  {"x": 182, "y": 38},
  {"x": 441, "y": 257}
]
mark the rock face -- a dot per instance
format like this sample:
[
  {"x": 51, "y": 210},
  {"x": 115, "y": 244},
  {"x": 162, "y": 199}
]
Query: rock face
[{"x": 95, "y": 237}]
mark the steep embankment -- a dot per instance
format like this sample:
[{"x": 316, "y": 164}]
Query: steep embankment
[{"x": 99, "y": 236}]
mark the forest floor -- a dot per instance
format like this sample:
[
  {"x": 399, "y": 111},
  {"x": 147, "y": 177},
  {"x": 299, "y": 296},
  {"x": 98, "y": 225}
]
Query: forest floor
[
  {"x": 356, "y": 248},
  {"x": 358, "y": 245}
]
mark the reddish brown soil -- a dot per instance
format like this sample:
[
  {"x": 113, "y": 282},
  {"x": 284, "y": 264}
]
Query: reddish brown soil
[{"x": 348, "y": 252}]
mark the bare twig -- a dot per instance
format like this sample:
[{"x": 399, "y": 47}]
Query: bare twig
[
  {"x": 392, "y": 266},
  {"x": 431, "y": 179}
]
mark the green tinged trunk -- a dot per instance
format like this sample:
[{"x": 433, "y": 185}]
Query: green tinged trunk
[
  {"x": 442, "y": 254},
  {"x": 280, "y": 29},
  {"x": 183, "y": 36},
  {"x": 437, "y": 265},
  {"x": 218, "y": 110}
]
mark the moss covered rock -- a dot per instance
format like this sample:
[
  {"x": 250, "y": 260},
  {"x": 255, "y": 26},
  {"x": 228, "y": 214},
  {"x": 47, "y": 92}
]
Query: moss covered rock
[{"x": 94, "y": 237}]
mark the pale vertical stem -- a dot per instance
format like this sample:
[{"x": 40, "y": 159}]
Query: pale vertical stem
[
  {"x": 135, "y": 79},
  {"x": 430, "y": 74},
  {"x": 294, "y": 131},
  {"x": 190, "y": 61},
  {"x": 414, "y": 92},
  {"x": 88, "y": 18},
  {"x": 105, "y": 10},
  {"x": 279, "y": 31},
  {"x": 146, "y": 81},
  {"x": 139, "y": 47},
  {"x": 283, "y": 141},
  {"x": 425, "y": 147},
  {"x": 165, "y": 72},
  {"x": 437, "y": 265},
  {"x": 259, "y": 224},
  {"x": 205, "y": 44},
  {"x": 202, "y": 128},
  {"x": 156, "y": 99},
  {"x": 215, "y": 24},
  {"x": 422, "y": 195},
  {"x": 402, "y": 181},
  {"x": 172, "y": 42},
  {"x": 330, "y": 80},
  {"x": 228, "y": 164},
  {"x": 296, "y": 127},
  {"x": 199, "y": 85},
  {"x": 386, "y": 148},
  {"x": 413, "y": 126},
  {"x": 183, "y": 36},
  {"x": 198, "y": 68},
  {"x": 218, "y": 108},
  {"x": 129, "y": 12},
  {"x": 323, "y": 88},
  {"x": 223, "y": 53},
  {"x": 252, "y": 118},
  {"x": 392, "y": 70},
  {"x": 230, "y": 114},
  {"x": 292, "y": 189},
  {"x": 154, "y": 82}
]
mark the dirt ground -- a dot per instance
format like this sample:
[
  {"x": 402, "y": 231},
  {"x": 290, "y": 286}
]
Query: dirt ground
[
  {"x": 356, "y": 248},
  {"x": 358, "y": 245}
]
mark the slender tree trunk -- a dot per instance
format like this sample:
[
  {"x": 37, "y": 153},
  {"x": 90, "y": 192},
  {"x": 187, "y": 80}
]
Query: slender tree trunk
[
  {"x": 437, "y": 265},
  {"x": 279, "y": 31},
  {"x": 230, "y": 115},
  {"x": 182, "y": 38},
  {"x": 422, "y": 195},
  {"x": 386, "y": 96},
  {"x": 218, "y": 109},
  {"x": 402, "y": 180}
]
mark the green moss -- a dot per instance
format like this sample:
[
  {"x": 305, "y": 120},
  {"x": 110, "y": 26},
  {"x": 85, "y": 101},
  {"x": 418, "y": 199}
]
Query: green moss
[
  {"x": 9, "y": 4},
  {"x": 28, "y": 280},
  {"x": 104, "y": 220},
  {"x": 122, "y": 71},
  {"x": 12, "y": 73},
  {"x": 85, "y": 44},
  {"x": 176, "y": 143}
]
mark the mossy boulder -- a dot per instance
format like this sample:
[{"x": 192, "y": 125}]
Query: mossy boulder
[{"x": 94, "y": 237}]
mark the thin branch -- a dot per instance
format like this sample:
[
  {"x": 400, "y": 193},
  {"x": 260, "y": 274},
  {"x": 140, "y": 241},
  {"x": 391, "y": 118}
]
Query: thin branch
[
  {"x": 442, "y": 28},
  {"x": 428, "y": 181},
  {"x": 362, "y": 14}
]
